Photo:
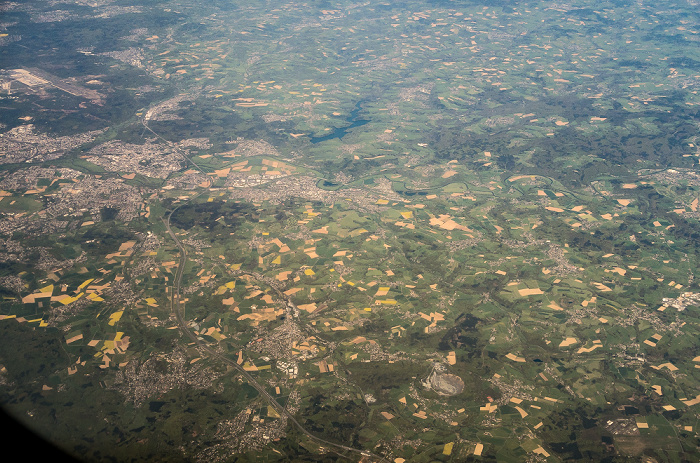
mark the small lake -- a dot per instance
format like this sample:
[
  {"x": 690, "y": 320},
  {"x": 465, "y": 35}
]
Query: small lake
[{"x": 352, "y": 119}]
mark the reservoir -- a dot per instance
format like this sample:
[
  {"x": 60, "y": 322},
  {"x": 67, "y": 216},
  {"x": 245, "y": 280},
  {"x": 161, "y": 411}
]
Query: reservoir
[{"x": 352, "y": 119}]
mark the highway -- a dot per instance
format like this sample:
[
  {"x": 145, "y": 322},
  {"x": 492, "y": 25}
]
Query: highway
[{"x": 177, "y": 308}]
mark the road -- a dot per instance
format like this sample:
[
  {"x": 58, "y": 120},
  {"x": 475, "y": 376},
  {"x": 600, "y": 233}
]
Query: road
[{"x": 177, "y": 308}]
